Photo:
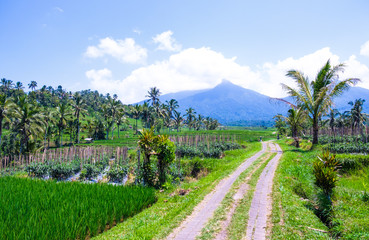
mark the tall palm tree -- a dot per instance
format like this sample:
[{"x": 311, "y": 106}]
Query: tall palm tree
[
  {"x": 178, "y": 119},
  {"x": 332, "y": 120},
  {"x": 172, "y": 105},
  {"x": 136, "y": 112},
  {"x": 357, "y": 117},
  {"x": 153, "y": 94},
  {"x": 114, "y": 106},
  {"x": 121, "y": 119},
  {"x": 199, "y": 122},
  {"x": 316, "y": 96},
  {"x": 19, "y": 86},
  {"x": 191, "y": 115},
  {"x": 32, "y": 85},
  {"x": 295, "y": 120},
  {"x": 30, "y": 120},
  {"x": 4, "y": 107},
  {"x": 62, "y": 114},
  {"x": 79, "y": 107}
]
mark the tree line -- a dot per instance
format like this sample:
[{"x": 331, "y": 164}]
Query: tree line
[{"x": 35, "y": 119}]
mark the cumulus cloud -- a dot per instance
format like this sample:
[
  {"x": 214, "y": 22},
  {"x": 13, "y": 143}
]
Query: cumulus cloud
[
  {"x": 126, "y": 51},
  {"x": 202, "y": 68},
  {"x": 365, "y": 49},
  {"x": 167, "y": 42}
]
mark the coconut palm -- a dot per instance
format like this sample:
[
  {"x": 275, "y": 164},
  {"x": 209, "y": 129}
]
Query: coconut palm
[
  {"x": 114, "y": 106},
  {"x": 178, "y": 119},
  {"x": 153, "y": 94},
  {"x": 332, "y": 120},
  {"x": 79, "y": 107},
  {"x": 32, "y": 85},
  {"x": 356, "y": 116},
  {"x": 121, "y": 119},
  {"x": 29, "y": 120},
  {"x": 136, "y": 112},
  {"x": 172, "y": 105},
  {"x": 4, "y": 107},
  {"x": 62, "y": 115},
  {"x": 19, "y": 86},
  {"x": 316, "y": 96},
  {"x": 191, "y": 115}
]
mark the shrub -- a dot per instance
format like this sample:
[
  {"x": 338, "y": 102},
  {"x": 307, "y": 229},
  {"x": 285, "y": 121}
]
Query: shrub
[
  {"x": 117, "y": 173},
  {"x": 89, "y": 171},
  {"x": 39, "y": 170},
  {"x": 352, "y": 162},
  {"x": 61, "y": 171}
]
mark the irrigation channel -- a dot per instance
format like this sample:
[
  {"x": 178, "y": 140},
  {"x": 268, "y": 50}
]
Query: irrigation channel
[{"x": 261, "y": 204}]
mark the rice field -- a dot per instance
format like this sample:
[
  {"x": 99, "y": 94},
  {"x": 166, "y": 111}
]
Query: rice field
[{"x": 37, "y": 209}]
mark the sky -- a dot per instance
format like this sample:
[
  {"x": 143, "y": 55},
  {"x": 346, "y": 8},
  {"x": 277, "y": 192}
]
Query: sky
[{"x": 127, "y": 47}]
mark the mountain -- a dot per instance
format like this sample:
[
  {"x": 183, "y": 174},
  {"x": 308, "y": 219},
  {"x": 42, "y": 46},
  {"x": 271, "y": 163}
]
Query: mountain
[{"x": 234, "y": 105}]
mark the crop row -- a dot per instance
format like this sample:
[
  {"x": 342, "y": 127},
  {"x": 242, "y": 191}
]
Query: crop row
[{"x": 210, "y": 150}]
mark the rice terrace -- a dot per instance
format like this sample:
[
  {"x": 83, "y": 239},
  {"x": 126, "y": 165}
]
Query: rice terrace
[{"x": 184, "y": 120}]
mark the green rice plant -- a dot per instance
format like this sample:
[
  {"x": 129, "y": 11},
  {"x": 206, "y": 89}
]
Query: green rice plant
[{"x": 38, "y": 209}]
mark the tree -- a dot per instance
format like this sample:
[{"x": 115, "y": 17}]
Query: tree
[
  {"x": 331, "y": 121},
  {"x": 19, "y": 86},
  {"x": 280, "y": 124},
  {"x": 113, "y": 105},
  {"x": 121, "y": 119},
  {"x": 356, "y": 116},
  {"x": 178, "y": 119},
  {"x": 4, "y": 107},
  {"x": 136, "y": 112},
  {"x": 191, "y": 115},
  {"x": 153, "y": 94},
  {"x": 30, "y": 120},
  {"x": 79, "y": 107},
  {"x": 62, "y": 114},
  {"x": 172, "y": 105},
  {"x": 316, "y": 96},
  {"x": 32, "y": 85}
]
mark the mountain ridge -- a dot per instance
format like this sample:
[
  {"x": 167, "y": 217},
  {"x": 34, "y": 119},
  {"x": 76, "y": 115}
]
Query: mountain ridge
[{"x": 231, "y": 104}]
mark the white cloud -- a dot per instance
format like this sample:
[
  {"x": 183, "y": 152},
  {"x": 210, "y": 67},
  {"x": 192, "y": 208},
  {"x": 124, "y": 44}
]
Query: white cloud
[
  {"x": 365, "y": 49},
  {"x": 59, "y": 9},
  {"x": 167, "y": 42},
  {"x": 201, "y": 68},
  {"x": 126, "y": 51}
]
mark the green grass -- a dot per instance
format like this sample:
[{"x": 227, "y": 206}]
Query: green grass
[
  {"x": 37, "y": 209},
  {"x": 170, "y": 210},
  {"x": 293, "y": 189}
]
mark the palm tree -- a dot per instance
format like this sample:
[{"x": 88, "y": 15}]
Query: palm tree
[
  {"x": 62, "y": 114},
  {"x": 105, "y": 111},
  {"x": 357, "y": 117},
  {"x": 316, "y": 96},
  {"x": 153, "y": 94},
  {"x": 191, "y": 115},
  {"x": 121, "y": 119},
  {"x": 178, "y": 119},
  {"x": 30, "y": 120},
  {"x": 332, "y": 121},
  {"x": 79, "y": 107},
  {"x": 49, "y": 120},
  {"x": 114, "y": 105},
  {"x": 199, "y": 122},
  {"x": 19, "y": 86},
  {"x": 4, "y": 107},
  {"x": 136, "y": 112},
  {"x": 32, "y": 85},
  {"x": 172, "y": 105}
]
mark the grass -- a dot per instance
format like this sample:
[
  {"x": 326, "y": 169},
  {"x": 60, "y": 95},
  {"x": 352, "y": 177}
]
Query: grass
[
  {"x": 37, "y": 209},
  {"x": 293, "y": 189},
  {"x": 171, "y": 209}
]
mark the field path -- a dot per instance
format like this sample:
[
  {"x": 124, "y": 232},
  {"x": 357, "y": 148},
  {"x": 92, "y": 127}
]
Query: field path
[
  {"x": 193, "y": 224},
  {"x": 261, "y": 205}
]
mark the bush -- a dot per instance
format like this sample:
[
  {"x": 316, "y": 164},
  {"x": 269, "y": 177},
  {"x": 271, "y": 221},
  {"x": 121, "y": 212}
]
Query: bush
[
  {"x": 214, "y": 150},
  {"x": 352, "y": 162},
  {"x": 117, "y": 173},
  {"x": 89, "y": 171},
  {"x": 61, "y": 171},
  {"x": 39, "y": 170}
]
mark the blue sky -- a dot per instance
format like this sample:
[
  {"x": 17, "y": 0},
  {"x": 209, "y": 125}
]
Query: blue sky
[{"x": 126, "y": 47}]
